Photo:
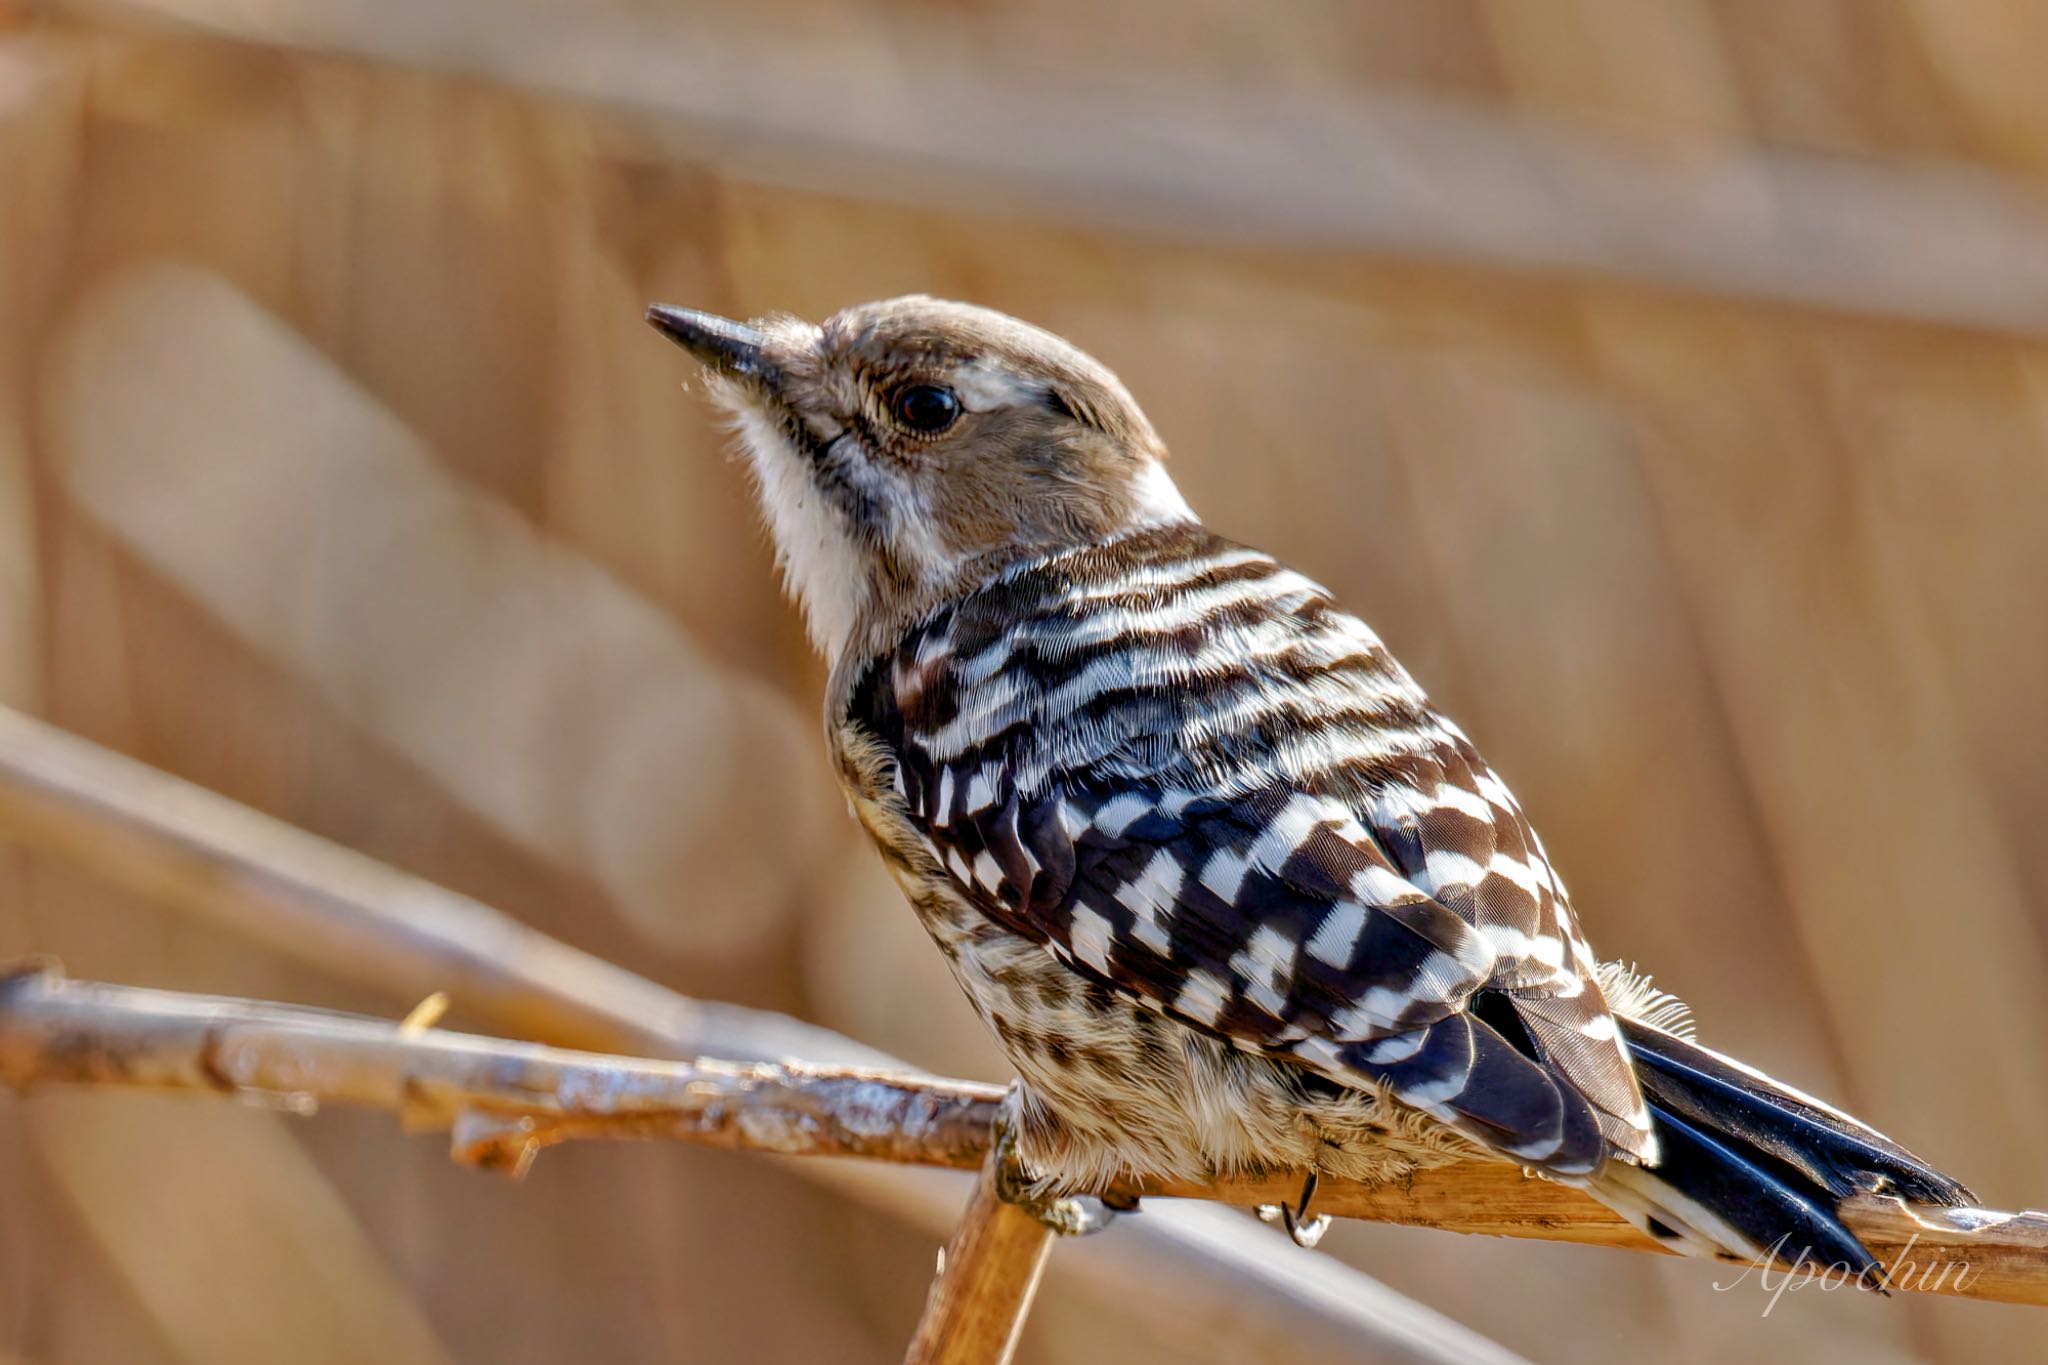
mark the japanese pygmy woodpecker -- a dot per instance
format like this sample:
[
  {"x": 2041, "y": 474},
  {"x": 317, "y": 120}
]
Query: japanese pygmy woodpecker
[{"x": 1232, "y": 895}]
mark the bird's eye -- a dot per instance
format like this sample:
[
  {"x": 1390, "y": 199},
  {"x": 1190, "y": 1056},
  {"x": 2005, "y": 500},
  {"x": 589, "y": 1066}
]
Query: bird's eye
[{"x": 926, "y": 408}]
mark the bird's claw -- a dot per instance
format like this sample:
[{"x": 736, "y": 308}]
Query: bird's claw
[
  {"x": 1067, "y": 1215},
  {"x": 1305, "y": 1231}
]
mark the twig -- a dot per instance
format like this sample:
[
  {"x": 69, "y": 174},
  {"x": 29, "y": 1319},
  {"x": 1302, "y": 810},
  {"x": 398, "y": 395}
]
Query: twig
[
  {"x": 505, "y": 1101},
  {"x": 988, "y": 1275},
  {"x": 502, "y": 1100},
  {"x": 179, "y": 845},
  {"x": 191, "y": 850}
]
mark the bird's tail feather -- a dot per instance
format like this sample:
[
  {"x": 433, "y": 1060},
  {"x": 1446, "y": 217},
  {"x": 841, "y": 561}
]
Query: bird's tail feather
[{"x": 1751, "y": 1168}]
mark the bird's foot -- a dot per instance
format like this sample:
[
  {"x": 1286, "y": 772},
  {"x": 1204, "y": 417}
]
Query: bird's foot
[
  {"x": 1067, "y": 1215},
  {"x": 1305, "y": 1231}
]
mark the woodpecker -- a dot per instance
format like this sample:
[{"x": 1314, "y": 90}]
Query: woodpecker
[{"x": 1233, "y": 896}]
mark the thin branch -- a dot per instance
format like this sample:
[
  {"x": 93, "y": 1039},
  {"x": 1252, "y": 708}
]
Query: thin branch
[
  {"x": 181, "y": 846},
  {"x": 988, "y": 1275},
  {"x": 502, "y": 1100},
  {"x": 505, "y": 1101},
  {"x": 177, "y": 845}
]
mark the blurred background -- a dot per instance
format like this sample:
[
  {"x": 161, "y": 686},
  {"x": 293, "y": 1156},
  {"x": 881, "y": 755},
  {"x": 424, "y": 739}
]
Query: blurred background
[{"x": 1665, "y": 380}]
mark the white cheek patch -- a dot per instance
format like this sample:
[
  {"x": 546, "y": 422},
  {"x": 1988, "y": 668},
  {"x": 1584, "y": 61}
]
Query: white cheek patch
[
  {"x": 915, "y": 539},
  {"x": 824, "y": 567},
  {"x": 821, "y": 566}
]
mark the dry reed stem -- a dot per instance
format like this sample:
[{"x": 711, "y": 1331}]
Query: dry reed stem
[
  {"x": 988, "y": 1274},
  {"x": 1392, "y": 175},
  {"x": 505, "y": 1101}
]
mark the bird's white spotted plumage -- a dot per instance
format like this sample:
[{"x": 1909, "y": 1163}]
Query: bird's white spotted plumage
[
  {"x": 1354, "y": 896},
  {"x": 1231, "y": 893}
]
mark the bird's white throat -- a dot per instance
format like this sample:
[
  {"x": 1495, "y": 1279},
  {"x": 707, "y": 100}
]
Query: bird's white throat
[{"x": 823, "y": 571}]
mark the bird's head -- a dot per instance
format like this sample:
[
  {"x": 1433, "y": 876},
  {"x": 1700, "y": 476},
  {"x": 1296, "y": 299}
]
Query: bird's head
[{"x": 906, "y": 449}]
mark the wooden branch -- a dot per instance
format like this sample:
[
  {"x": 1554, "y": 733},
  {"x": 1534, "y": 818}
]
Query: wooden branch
[
  {"x": 179, "y": 846},
  {"x": 505, "y": 1101},
  {"x": 988, "y": 1275}
]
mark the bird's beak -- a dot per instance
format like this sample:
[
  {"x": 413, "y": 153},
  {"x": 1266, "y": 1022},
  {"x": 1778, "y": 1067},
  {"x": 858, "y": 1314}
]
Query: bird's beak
[{"x": 728, "y": 347}]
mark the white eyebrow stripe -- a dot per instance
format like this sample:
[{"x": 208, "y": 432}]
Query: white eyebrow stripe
[{"x": 984, "y": 385}]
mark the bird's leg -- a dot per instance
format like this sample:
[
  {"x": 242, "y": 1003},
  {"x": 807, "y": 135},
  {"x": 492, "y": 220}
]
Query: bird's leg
[
  {"x": 1305, "y": 1231},
  {"x": 1069, "y": 1216}
]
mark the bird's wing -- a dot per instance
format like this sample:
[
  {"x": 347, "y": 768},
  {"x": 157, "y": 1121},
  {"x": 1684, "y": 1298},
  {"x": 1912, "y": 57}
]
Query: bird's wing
[
  {"x": 1453, "y": 828},
  {"x": 1136, "y": 807},
  {"x": 1275, "y": 920}
]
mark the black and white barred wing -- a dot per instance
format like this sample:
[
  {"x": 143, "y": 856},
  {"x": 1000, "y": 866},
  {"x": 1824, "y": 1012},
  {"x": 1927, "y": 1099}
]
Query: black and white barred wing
[
  {"x": 1184, "y": 771},
  {"x": 1274, "y": 921},
  {"x": 1452, "y": 827}
]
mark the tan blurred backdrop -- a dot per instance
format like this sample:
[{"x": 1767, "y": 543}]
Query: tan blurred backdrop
[{"x": 1664, "y": 378}]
